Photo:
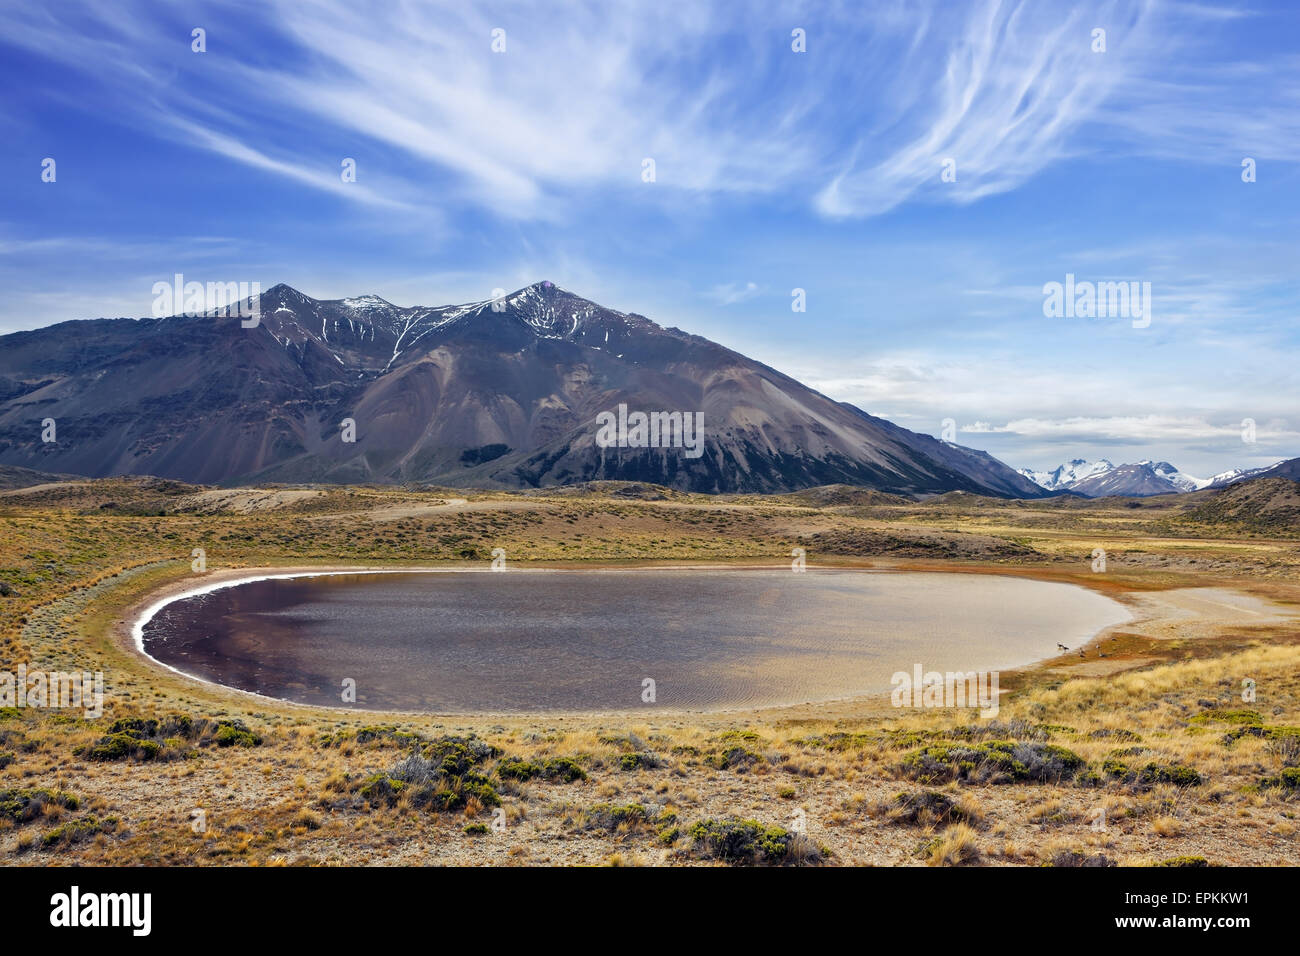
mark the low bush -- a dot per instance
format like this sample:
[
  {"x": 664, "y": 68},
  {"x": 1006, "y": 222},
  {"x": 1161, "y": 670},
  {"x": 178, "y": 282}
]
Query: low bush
[
  {"x": 563, "y": 769},
  {"x": 75, "y": 831},
  {"x": 23, "y": 806},
  {"x": 998, "y": 761},
  {"x": 167, "y": 738},
  {"x": 749, "y": 842},
  {"x": 1288, "y": 779},
  {"x": 1151, "y": 774},
  {"x": 442, "y": 778},
  {"x": 925, "y": 808}
]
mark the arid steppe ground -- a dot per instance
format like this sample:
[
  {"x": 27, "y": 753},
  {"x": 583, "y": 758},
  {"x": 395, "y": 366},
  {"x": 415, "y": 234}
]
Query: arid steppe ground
[{"x": 1145, "y": 750}]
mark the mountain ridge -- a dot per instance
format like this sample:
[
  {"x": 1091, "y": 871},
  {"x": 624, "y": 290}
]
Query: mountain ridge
[
  {"x": 495, "y": 393},
  {"x": 1143, "y": 478}
]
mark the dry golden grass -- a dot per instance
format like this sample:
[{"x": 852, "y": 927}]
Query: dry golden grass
[
  {"x": 292, "y": 800},
  {"x": 956, "y": 846}
]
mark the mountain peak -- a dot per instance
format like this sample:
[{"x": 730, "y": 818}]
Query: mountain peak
[
  {"x": 286, "y": 294},
  {"x": 364, "y": 302},
  {"x": 504, "y": 392},
  {"x": 545, "y": 290},
  {"x": 1102, "y": 477},
  {"x": 280, "y": 288}
]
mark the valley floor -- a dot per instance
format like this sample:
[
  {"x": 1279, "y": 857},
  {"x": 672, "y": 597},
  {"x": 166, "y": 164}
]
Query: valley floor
[{"x": 1145, "y": 755}]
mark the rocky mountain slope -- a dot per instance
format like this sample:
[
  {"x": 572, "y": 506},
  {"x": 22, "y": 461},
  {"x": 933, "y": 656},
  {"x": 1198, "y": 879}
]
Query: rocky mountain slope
[{"x": 490, "y": 394}]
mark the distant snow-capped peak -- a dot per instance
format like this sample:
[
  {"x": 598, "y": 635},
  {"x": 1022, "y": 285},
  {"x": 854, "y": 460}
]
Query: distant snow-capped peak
[
  {"x": 1179, "y": 479},
  {"x": 1233, "y": 475},
  {"x": 1093, "y": 477},
  {"x": 1062, "y": 476}
]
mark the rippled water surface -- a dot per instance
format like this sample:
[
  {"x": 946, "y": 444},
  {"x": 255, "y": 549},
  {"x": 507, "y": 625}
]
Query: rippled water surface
[{"x": 520, "y": 641}]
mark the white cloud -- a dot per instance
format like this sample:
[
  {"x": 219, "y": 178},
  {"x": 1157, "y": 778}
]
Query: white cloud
[
  {"x": 732, "y": 292},
  {"x": 317, "y": 178},
  {"x": 1130, "y": 428},
  {"x": 855, "y": 127},
  {"x": 999, "y": 93}
]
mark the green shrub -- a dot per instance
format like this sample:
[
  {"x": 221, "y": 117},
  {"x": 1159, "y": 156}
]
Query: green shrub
[
  {"x": 735, "y": 758},
  {"x": 1118, "y": 733},
  {"x": 75, "y": 831},
  {"x": 841, "y": 741},
  {"x": 1050, "y": 729},
  {"x": 179, "y": 725},
  {"x": 512, "y": 768},
  {"x": 925, "y": 808},
  {"x": 638, "y": 761},
  {"x": 1151, "y": 774},
  {"x": 120, "y": 746},
  {"x": 440, "y": 779},
  {"x": 233, "y": 733},
  {"x": 1229, "y": 717},
  {"x": 150, "y": 739},
  {"x": 454, "y": 793},
  {"x": 1287, "y": 737},
  {"x": 456, "y": 755},
  {"x": 997, "y": 761},
  {"x": 1077, "y": 858},
  {"x": 1288, "y": 779},
  {"x": 564, "y": 769},
  {"x": 739, "y": 735},
  {"x": 379, "y": 788},
  {"x": 742, "y": 841},
  {"x": 1178, "y": 775},
  {"x": 388, "y": 734},
  {"x": 136, "y": 727},
  {"x": 610, "y": 817},
  {"x": 23, "y": 806},
  {"x": 380, "y": 734}
]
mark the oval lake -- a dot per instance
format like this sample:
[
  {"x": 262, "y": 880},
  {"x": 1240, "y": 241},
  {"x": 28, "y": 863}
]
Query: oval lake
[{"x": 526, "y": 641}]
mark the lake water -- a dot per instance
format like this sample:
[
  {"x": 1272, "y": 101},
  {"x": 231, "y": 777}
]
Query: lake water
[{"x": 525, "y": 641}]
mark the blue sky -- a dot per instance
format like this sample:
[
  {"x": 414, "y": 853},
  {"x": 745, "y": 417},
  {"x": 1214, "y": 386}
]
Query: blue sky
[{"x": 774, "y": 170}]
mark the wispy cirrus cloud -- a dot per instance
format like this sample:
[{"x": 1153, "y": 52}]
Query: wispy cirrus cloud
[
  {"x": 1132, "y": 429},
  {"x": 774, "y": 170},
  {"x": 854, "y": 127},
  {"x": 729, "y": 293},
  {"x": 1009, "y": 88}
]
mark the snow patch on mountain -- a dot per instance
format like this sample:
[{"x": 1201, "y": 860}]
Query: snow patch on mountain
[
  {"x": 1062, "y": 476},
  {"x": 1179, "y": 479},
  {"x": 1102, "y": 477},
  {"x": 1235, "y": 475}
]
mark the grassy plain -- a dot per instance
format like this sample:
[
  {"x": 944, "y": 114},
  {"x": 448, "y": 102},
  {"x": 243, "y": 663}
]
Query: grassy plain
[{"x": 1140, "y": 752}]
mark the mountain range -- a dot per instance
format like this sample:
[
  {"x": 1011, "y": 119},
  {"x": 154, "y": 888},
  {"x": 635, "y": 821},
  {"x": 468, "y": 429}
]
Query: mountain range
[
  {"x": 500, "y": 393},
  {"x": 1101, "y": 478}
]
